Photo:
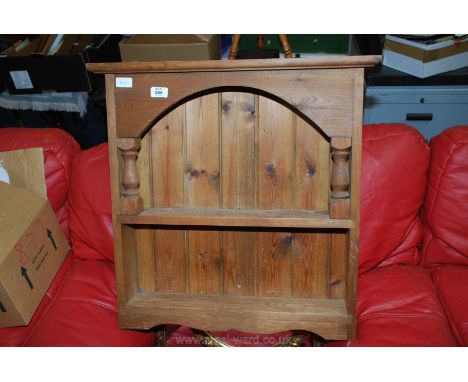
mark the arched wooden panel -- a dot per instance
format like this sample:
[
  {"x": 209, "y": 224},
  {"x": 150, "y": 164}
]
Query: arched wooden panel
[
  {"x": 321, "y": 95},
  {"x": 235, "y": 150}
]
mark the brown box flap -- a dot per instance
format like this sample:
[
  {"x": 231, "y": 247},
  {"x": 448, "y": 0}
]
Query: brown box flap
[{"x": 26, "y": 169}]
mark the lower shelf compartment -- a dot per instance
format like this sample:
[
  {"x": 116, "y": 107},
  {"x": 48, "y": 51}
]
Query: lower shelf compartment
[{"x": 251, "y": 314}]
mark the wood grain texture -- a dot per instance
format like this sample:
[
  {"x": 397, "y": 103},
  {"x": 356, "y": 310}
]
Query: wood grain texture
[
  {"x": 129, "y": 276},
  {"x": 238, "y": 185},
  {"x": 125, "y": 282},
  {"x": 170, "y": 260},
  {"x": 275, "y": 174},
  {"x": 275, "y": 155},
  {"x": 285, "y": 218},
  {"x": 202, "y": 167},
  {"x": 205, "y": 262},
  {"x": 130, "y": 200},
  {"x": 338, "y": 264},
  {"x": 311, "y": 259},
  {"x": 145, "y": 171},
  {"x": 340, "y": 177},
  {"x": 239, "y": 266},
  {"x": 238, "y": 150},
  {"x": 232, "y": 160},
  {"x": 322, "y": 95},
  {"x": 167, "y": 160},
  {"x": 221, "y": 65},
  {"x": 144, "y": 236},
  {"x": 328, "y": 318},
  {"x": 312, "y": 165},
  {"x": 311, "y": 191},
  {"x": 202, "y": 189},
  {"x": 144, "y": 244},
  {"x": 356, "y": 150},
  {"x": 339, "y": 208}
]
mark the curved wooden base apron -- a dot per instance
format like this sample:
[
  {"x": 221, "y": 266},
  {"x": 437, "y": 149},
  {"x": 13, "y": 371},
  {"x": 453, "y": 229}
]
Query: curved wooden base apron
[{"x": 235, "y": 191}]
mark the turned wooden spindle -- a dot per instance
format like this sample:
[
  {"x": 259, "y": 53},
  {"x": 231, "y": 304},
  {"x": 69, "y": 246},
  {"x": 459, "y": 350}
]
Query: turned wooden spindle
[
  {"x": 340, "y": 178},
  {"x": 131, "y": 202},
  {"x": 234, "y": 47},
  {"x": 285, "y": 45},
  {"x": 260, "y": 41}
]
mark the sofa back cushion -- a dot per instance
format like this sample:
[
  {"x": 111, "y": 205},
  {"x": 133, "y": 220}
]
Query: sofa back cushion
[
  {"x": 90, "y": 205},
  {"x": 445, "y": 210},
  {"x": 59, "y": 149},
  {"x": 395, "y": 160}
]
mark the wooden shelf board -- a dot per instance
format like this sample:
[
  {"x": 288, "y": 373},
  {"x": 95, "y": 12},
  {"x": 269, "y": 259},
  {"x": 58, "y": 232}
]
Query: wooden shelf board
[
  {"x": 226, "y": 65},
  {"x": 252, "y": 314},
  {"x": 235, "y": 218}
]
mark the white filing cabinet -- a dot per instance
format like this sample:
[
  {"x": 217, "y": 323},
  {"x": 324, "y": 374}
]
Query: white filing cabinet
[
  {"x": 430, "y": 109},
  {"x": 430, "y": 104}
]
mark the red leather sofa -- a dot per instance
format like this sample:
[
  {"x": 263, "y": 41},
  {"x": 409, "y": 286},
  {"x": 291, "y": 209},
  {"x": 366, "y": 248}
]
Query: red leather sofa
[
  {"x": 79, "y": 308},
  {"x": 413, "y": 273},
  {"x": 413, "y": 282}
]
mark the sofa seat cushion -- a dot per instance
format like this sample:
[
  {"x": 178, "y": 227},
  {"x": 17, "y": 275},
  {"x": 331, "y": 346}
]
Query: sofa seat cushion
[
  {"x": 84, "y": 312},
  {"x": 399, "y": 306},
  {"x": 452, "y": 283}
]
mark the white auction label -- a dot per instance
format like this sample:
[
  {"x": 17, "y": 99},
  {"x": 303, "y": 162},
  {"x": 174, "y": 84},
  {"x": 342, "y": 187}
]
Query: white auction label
[
  {"x": 124, "y": 82},
  {"x": 21, "y": 79},
  {"x": 159, "y": 92}
]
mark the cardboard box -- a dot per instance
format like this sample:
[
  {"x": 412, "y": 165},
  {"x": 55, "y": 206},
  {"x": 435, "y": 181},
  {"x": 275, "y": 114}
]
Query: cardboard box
[
  {"x": 170, "y": 47},
  {"x": 32, "y": 244},
  {"x": 25, "y": 169},
  {"x": 425, "y": 59}
]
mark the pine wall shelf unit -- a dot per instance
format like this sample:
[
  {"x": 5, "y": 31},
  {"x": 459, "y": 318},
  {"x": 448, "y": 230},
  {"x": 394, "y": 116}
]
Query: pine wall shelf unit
[{"x": 235, "y": 191}]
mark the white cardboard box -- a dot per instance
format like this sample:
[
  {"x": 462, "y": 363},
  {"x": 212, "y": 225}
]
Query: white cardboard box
[{"x": 425, "y": 60}]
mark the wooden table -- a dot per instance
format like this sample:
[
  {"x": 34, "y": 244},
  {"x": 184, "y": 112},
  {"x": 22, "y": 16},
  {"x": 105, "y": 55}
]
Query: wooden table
[{"x": 235, "y": 191}]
